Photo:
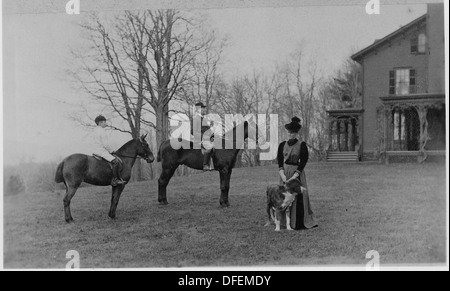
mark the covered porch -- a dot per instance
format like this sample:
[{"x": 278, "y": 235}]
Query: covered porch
[
  {"x": 413, "y": 126},
  {"x": 345, "y": 128}
]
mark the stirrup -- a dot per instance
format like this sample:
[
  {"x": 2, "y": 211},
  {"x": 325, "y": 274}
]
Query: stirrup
[{"x": 116, "y": 182}]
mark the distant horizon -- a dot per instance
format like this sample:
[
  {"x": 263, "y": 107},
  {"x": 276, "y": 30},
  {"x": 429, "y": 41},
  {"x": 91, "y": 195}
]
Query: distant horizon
[{"x": 39, "y": 99}]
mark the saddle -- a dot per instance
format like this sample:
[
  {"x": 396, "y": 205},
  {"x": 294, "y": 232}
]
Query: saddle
[{"x": 211, "y": 155}]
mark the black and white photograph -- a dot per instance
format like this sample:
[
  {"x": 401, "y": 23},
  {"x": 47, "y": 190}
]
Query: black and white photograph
[{"x": 224, "y": 135}]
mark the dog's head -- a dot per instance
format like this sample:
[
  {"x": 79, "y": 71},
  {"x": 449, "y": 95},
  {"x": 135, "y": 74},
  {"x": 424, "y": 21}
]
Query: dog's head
[
  {"x": 289, "y": 198},
  {"x": 294, "y": 186},
  {"x": 279, "y": 197},
  {"x": 290, "y": 190}
]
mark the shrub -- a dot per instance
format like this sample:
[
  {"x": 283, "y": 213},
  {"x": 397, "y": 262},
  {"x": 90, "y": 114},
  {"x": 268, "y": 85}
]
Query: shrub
[{"x": 15, "y": 185}]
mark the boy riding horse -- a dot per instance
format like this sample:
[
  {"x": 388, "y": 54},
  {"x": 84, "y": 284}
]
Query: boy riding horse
[
  {"x": 103, "y": 149},
  {"x": 200, "y": 120}
]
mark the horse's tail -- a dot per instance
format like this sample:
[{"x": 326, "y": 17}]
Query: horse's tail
[{"x": 59, "y": 178}]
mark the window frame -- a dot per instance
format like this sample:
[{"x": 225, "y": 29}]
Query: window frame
[
  {"x": 411, "y": 81},
  {"x": 421, "y": 36},
  {"x": 418, "y": 44}
]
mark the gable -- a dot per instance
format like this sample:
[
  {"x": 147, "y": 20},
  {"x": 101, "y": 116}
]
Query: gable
[{"x": 404, "y": 34}]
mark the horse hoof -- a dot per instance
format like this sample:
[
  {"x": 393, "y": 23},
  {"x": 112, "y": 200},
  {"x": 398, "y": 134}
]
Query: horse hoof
[
  {"x": 70, "y": 220},
  {"x": 163, "y": 203},
  {"x": 224, "y": 205}
]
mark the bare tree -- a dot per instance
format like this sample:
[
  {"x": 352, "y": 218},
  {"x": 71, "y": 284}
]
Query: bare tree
[
  {"x": 346, "y": 86},
  {"x": 305, "y": 79},
  {"x": 295, "y": 91},
  {"x": 137, "y": 64},
  {"x": 206, "y": 75},
  {"x": 111, "y": 72},
  {"x": 263, "y": 92},
  {"x": 173, "y": 45}
]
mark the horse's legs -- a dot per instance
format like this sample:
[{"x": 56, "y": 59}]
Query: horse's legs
[
  {"x": 116, "y": 192},
  {"x": 225, "y": 175},
  {"x": 163, "y": 181},
  {"x": 70, "y": 192}
]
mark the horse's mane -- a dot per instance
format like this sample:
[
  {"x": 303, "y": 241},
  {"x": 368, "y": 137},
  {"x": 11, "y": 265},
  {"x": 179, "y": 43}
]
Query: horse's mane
[
  {"x": 227, "y": 130},
  {"x": 126, "y": 145}
]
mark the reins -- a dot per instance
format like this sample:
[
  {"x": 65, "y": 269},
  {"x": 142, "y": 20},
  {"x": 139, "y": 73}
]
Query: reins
[{"x": 125, "y": 156}]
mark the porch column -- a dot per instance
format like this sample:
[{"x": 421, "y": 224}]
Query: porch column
[
  {"x": 354, "y": 137},
  {"x": 338, "y": 133},
  {"x": 330, "y": 134},
  {"x": 387, "y": 126},
  {"x": 389, "y": 129},
  {"x": 346, "y": 135},
  {"x": 422, "y": 112}
]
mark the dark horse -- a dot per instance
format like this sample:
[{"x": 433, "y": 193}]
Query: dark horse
[
  {"x": 223, "y": 159},
  {"x": 78, "y": 168}
]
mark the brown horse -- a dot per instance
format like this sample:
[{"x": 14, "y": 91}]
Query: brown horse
[
  {"x": 78, "y": 168},
  {"x": 223, "y": 159}
]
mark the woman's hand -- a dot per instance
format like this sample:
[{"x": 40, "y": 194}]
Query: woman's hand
[
  {"x": 283, "y": 176},
  {"x": 295, "y": 176}
]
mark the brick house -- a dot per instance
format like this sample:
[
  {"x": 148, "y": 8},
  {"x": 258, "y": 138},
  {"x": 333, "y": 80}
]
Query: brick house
[{"x": 403, "y": 102}]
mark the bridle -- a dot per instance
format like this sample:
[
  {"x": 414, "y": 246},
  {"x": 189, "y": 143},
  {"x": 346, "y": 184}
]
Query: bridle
[{"x": 132, "y": 157}]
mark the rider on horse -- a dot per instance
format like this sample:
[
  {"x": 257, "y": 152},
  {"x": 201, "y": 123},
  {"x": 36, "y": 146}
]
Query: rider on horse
[
  {"x": 207, "y": 146},
  {"x": 103, "y": 149}
]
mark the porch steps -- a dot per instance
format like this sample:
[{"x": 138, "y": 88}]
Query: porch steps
[{"x": 342, "y": 157}]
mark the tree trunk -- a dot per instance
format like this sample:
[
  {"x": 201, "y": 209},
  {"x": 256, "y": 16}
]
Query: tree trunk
[
  {"x": 238, "y": 163},
  {"x": 256, "y": 157},
  {"x": 162, "y": 124}
]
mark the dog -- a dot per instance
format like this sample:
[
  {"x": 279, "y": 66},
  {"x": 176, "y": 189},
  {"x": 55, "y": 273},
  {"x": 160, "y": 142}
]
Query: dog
[{"x": 280, "y": 199}]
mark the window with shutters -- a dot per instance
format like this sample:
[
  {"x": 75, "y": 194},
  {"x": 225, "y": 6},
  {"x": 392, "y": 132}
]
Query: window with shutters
[
  {"x": 419, "y": 44},
  {"x": 414, "y": 45},
  {"x": 402, "y": 82},
  {"x": 412, "y": 82},
  {"x": 392, "y": 83}
]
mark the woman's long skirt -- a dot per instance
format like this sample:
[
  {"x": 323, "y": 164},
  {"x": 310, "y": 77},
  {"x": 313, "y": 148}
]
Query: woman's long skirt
[{"x": 302, "y": 217}]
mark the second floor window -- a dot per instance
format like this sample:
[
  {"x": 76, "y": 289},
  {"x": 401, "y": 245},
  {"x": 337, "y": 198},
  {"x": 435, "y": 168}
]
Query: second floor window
[
  {"x": 419, "y": 44},
  {"x": 402, "y": 82}
]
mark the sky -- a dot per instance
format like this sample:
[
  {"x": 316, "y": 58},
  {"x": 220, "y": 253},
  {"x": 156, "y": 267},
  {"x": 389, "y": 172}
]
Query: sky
[{"x": 39, "y": 98}]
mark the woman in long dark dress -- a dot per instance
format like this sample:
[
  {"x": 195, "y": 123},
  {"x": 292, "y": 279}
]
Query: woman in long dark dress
[{"x": 292, "y": 158}]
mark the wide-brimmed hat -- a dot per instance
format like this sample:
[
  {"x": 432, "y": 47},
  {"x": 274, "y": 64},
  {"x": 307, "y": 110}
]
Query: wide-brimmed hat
[
  {"x": 200, "y": 104},
  {"x": 294, "y": 125},
  {"x": 99, "y": 118}
]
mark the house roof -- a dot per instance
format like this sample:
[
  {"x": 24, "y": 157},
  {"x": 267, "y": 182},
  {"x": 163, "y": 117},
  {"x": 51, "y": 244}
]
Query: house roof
[{"x": 361, "y": 54}]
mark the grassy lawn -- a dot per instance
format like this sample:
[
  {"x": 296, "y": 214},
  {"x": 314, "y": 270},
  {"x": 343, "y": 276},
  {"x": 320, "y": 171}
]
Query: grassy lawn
[{"x": 398, "y": 210}]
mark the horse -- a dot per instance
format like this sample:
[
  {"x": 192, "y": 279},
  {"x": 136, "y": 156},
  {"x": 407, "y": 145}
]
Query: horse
[
  {"x": 223, "y": 159},
  {"x": 78, "y": 168}
]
